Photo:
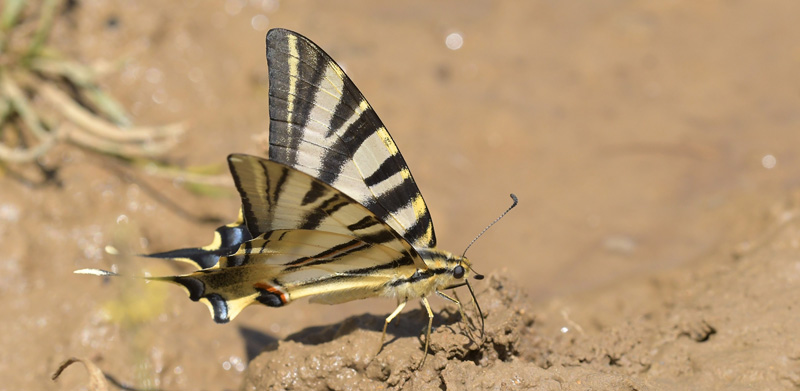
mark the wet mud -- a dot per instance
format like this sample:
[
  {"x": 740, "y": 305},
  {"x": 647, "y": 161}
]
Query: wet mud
[{"x": 653, "y": 146}]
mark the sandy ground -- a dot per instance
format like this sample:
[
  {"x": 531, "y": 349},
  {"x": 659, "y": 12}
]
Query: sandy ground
[{"x": 652, "y": 146}]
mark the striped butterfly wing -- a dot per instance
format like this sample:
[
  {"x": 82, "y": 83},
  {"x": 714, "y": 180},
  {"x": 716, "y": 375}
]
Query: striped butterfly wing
[
  {"x": 317, "y": 242},
  {"x": 278, "y": 197},
  {"x": 321, "y": 124},
  {"x": 286, "y": 265}
]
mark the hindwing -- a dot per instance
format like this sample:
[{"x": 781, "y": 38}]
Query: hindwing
[
  {"x": 227, "y": 239},
  {"x": 286, "y": 265},
  {"x": 279, "y": 197}
]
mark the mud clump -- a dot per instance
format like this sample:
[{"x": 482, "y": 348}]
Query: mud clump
[{"x": 342, "y": 356}]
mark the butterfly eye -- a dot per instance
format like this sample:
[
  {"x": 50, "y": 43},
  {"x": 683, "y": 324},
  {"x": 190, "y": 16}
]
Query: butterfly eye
[{"x": 458, "y": 271}]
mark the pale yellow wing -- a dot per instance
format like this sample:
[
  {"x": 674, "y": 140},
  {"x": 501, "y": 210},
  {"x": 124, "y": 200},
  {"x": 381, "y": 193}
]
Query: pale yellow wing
[{"x": 287, "y": 265}]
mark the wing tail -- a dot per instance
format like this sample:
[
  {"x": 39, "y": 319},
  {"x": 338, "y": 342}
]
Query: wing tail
[
  {"x": 227, "y": 240},
  {"x": 96, "y": 272},
  {"x": 197, "y": 256},
  {"x": 225, "y": 291}
]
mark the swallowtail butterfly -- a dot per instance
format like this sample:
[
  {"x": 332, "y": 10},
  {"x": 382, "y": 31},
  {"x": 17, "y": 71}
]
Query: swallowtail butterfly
[{"x": 334, "y": 213}]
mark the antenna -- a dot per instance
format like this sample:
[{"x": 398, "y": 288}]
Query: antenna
[
  {"x": 478, "y": 277},
  {"x": 516, "y": 201}
]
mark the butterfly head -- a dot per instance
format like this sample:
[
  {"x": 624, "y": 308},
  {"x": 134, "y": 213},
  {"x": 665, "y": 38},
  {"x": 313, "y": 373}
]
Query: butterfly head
[
  {"x": 449, "y": 270},
  {"x": 461, "y": 267},
  {"x": 458, "y": 269}
]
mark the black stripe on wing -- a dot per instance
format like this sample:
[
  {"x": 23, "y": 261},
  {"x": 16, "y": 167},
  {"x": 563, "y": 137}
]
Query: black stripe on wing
[{"x": 290, "y": 115}]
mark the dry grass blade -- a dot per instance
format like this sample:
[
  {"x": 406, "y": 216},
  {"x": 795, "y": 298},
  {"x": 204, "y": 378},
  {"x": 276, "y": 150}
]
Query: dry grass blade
[
  {"x": 28, "y": 154},
  {"x": 76, "y": 135},
  {"x": 187, "y": 175},
  {"x": 46, "y": 98},
  {"x": 11, "y": 12},
  {"x": 83, "y": 77},
  {"x": 101, "y": 128},
  {"x": 48, "y": 13},
  {"x": 97, "y": 380},
  {"x": 20, "y": 104}
]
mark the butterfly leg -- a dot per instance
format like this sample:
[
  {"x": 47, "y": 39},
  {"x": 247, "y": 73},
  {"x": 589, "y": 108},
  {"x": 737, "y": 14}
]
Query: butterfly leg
[
  {"x": 458, "y": 303},
  {"x": 428, "y": 333},
  {"x": 389, "y": 319},
  {"x": 467, "y": 321},
  {"x": 451, "y": 299}
]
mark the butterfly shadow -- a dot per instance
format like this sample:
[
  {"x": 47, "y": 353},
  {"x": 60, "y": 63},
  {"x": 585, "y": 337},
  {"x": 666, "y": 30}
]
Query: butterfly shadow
[
  {"x": 256, "y": 341},
  {"x": 411, "y": 324},
  {"x": 408, "y": 324}
]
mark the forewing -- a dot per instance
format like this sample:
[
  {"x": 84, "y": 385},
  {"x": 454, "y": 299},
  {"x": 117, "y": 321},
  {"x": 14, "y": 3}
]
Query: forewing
[{"x": 321, "y": 124}]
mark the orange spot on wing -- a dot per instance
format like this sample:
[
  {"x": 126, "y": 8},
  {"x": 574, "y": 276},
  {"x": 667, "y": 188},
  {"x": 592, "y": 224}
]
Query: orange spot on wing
[{"x": 271, "y": 289}]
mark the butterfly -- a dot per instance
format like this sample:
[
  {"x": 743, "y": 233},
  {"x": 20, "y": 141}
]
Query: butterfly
[{"x": 333, "y": 215}]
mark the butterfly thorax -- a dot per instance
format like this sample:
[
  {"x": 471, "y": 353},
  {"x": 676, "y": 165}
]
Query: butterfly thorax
[{"x": 444, "y": 270}]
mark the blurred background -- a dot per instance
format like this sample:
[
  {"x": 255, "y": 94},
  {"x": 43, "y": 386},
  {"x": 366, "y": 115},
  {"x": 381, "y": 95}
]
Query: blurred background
[{"x": 637, "y": 135}]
